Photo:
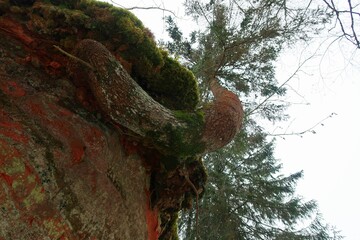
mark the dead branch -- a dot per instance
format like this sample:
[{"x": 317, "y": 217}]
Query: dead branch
[
  {"x": 350, "y": 34},
  {"x": 308, "y": 130},
  {"x": 145, "y": 8}
]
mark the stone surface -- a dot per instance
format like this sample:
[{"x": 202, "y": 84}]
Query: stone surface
[{"x": 64, "y": 173}]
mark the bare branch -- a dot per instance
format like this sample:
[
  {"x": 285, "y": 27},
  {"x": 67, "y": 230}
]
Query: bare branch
[
  {"x": 308, "y": 130},
  {"x": 350, "y": 34},
  {"x": 73, "y": 57},
  {"x": 352, "y": 24},
  {"x": 145, "y": 8},
  {"x": 282, "y": 85},
  {"x": 151, "y": 8}
]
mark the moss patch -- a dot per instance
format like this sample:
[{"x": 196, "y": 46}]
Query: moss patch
[
  {"x": 182, "y": 142},
  {"x": 175, "y": 86},
  {"x": 169, "y": 222},
  {"x": 67, "y": 22}
]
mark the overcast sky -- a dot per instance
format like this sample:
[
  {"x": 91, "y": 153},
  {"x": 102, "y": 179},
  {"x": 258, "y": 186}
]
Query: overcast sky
[
  {"x": 330, "y": 83},
  {"x": 329, "y": 158}
]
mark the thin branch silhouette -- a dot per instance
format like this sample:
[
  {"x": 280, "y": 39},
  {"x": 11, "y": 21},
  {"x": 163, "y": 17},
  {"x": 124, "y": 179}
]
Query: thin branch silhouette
[
  {"x": 145, "y": 8},
  {"x": 308, "y": 130},
  {"x": 350, "y": 34},
  {"x": 297, "y": 70}
]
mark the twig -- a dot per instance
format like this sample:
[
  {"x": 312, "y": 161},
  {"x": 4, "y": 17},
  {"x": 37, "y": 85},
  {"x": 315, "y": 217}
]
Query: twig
[
  {"x": 311, "y": 129},
  {"x": 145, "y": 8},
  {"x": 283, "y": 84},
  {"x": 352, "y": 37},
  {"x": 352, "y": 24},
  {"x": 151, "y": 8},
  {"x": 73, "y": 57}
]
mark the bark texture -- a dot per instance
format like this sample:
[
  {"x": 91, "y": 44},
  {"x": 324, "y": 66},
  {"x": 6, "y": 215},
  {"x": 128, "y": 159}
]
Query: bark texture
[{"x": 223, "y": 117}]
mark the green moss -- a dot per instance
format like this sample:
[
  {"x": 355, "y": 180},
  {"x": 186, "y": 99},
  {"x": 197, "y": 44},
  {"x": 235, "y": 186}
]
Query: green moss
[
  {"x": 180, "y": 142},
  {"x": 71, "y": 4},
  {"x": 120, "y": 13},
  {"x": 195, "y": 121},
  {"x": 94, "y": 3},
  {"x": 132, "y": 33},
  {"x": 57, "y": 21},
  {"x": 122, "y": 33},
  {"x": 123, "y": 28},
  {"x": 169, "y": 226},
  {"x": 175, "y": 86}
]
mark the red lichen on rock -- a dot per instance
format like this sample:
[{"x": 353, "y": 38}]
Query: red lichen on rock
[
  {"x": 11, "y": 88},
  {"x": 130, "y": 146},
  {"x": 152, "y": 219},
  {"x": 13, "y": 131},
  {"x": 7, "y": 179},
  {"x": 77, "y": 151},
  {"x": 24, "y": 190},
  {"x": 15, "y": 29},
  {"x": 54, "y": 65}
]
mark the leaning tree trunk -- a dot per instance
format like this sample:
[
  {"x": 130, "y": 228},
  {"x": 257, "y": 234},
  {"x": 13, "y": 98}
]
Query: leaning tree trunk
[{"x": 121, "y": 98}]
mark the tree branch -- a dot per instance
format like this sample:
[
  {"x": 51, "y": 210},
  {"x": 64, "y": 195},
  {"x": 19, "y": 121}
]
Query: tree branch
[
  {"x": 175, "y": 133},
  {"x": 353, "y": 36},
  {"x": 309, "y": 130},
  {"x": 282, "y": 85},
  {"x": 145, "y": 8}
]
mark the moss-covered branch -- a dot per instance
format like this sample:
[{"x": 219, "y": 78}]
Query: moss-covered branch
[{"x": 177, "y": 133}]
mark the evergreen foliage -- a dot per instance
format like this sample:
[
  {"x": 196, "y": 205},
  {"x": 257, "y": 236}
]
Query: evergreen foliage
[{"x": 247, "y": 197}]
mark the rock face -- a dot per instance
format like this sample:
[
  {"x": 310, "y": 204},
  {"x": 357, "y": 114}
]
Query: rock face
[
  {"x": 64, "y": 174},
  {"x": 72, "y": 164},
  {"x": 66, "y": 170}
]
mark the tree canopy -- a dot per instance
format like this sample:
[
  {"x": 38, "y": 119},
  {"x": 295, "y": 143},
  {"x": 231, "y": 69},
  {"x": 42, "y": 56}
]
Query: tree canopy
[{"x": 239, "y": 42}]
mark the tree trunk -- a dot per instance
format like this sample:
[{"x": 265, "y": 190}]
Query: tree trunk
[
  {"x": 121, "y": 98},
  {"x": 127, "y": 104}
]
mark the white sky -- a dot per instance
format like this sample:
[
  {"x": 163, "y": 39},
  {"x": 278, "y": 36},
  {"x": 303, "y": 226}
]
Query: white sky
[
  {"x": 329, "y": 157},
  {"x": 330, "y": 83}
]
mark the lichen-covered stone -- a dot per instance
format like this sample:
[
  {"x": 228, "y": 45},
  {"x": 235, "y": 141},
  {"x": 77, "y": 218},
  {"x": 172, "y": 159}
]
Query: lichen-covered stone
[
  {"x": 64, "y": 174},
  {"x": 65, "y": 171}
]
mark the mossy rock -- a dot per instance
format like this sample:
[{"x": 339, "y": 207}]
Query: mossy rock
[
  {"x": 65, "y": 23},
  {"x": 122, "y": 33}
]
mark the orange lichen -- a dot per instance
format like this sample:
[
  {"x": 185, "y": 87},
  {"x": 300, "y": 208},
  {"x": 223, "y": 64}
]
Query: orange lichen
[
  {"x": 152, "y": 219},
  {"x": 8, "y": 179},
  {"x": 13, "y": 28},
  {"x": 14, "y": 131}
]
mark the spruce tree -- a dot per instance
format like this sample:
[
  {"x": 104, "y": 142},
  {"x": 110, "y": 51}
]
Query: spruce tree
[{"x": 247, "y": 197}]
